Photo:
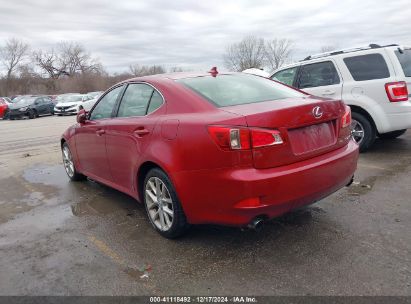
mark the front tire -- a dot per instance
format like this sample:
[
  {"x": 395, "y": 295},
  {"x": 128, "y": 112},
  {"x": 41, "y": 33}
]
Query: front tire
[
  {"x": 69, "y": 166},
  {"x": 32, "y": 114},
  {"x": 392, "y": 135},
  {"x": 163, "y": 206},
  {"x": 363, "y": 131}
]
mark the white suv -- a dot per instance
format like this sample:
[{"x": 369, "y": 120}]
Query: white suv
[{"x": 374, "y": 81}]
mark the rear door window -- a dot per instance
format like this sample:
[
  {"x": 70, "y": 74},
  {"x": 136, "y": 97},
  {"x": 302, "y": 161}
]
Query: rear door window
[
  {"x": 286, "y": 76},
  {"x": 139, "y": 99},
  {"x": 404, "y": 58},
  {"x": 367, "y": 67},
  {"x": 318, "y": 75}
]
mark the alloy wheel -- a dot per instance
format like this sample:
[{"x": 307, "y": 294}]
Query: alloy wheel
[
  {"x": 68, "y": 161},
  {"x": 357, "y": 131},
  {"x": 159, "y": 204}
]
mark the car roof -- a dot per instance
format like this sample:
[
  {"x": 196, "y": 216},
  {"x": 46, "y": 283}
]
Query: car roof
[
  {"x": 336, "y": 53},
  {"x": 176, "y": 76}
]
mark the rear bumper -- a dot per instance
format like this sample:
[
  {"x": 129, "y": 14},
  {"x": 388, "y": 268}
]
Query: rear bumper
[
  {"x": 399, "y": 121},
  {"x": 217, "y": 196},
  {"x": 398, "y": 117}
]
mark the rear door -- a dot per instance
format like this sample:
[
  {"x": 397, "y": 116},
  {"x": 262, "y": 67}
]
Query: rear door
[
  {"x": 91, "y": 138},
  {"x": 320, "y": 79},
  {"x": 128, "y": 135}
]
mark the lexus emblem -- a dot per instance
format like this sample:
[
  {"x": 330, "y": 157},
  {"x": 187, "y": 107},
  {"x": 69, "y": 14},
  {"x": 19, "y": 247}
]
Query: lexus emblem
[{"x": 317, "y": 112}]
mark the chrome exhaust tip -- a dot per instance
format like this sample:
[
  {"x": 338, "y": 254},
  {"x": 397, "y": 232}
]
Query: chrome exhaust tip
[
  {"x": 350, "y": 182},
  {"x": 256, "y": 224}
]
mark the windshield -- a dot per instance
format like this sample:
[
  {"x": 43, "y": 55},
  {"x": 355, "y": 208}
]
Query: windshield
[
  {"x": 405, "y": 59},
  {"x": 18, "y": 98},
  {"x": 71, "y": 98},
  {"x": 24, "y": 101},
  {"x": 94, "y": 94},
  {"x": 236, "y": 89}
]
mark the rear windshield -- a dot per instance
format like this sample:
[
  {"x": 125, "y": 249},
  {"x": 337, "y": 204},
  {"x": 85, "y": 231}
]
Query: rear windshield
[
  {"x": 236, "y": 89},
  {"x": 367, "y": 67},
  {"x": 405, "y": 60}
]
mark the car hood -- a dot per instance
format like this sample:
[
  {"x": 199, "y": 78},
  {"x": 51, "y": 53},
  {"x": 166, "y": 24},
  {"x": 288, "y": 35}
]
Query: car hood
[{"x": 68, "y": 104}]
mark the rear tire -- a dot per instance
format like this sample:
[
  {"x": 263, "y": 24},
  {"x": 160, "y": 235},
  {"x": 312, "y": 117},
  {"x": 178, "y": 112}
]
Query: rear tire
[
  {"x": 392, "y": 135},
  {"x": 163, "y": 206},
  {"x": 363, "y": 131},
  {"x": 69, "y": 165}
]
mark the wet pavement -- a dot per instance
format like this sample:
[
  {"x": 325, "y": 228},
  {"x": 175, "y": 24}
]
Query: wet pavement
[{"x": 82, "y": 238}]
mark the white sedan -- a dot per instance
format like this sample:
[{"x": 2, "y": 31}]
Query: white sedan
[{"x": 71, "y": 104}]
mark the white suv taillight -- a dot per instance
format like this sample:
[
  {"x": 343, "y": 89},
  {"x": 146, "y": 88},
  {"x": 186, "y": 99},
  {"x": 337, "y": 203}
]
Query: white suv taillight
[
  {"x": 241, "y": 138},
  {"x": 397, "y": 91}
]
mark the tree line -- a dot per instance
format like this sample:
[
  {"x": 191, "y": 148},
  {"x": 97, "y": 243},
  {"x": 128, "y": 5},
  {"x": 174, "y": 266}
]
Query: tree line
[{"x": 69, "y": 67}]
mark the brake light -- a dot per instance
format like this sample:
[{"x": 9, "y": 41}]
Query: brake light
[
  {"x": 230, "y": 138},
  {"x": 236, "y": 138},
  {"x": 346, "y": 119},
  {"x": 397, "y": 91}
]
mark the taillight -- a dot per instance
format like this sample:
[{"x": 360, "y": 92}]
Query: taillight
[
  {"x": 230, "y": 138},
  {"x": 397, "y": 91},
  {"x": 346, "y": 119},
  {"x": 240, "y": 138},
  {"x": 263, "y": 138}
]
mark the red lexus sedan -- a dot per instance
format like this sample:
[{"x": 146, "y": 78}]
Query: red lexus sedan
[{"x": 231, "y": 148}]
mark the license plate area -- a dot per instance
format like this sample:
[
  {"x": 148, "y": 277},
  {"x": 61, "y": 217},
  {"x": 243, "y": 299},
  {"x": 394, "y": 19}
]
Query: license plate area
[{"x": 311, "y": 138}]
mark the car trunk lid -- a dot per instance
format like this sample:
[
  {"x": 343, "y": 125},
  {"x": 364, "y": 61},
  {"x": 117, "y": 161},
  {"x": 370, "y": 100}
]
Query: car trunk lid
[{"x": 308, "y": 126}]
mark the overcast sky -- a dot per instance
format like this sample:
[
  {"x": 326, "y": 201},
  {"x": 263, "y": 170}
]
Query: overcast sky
[{"x": 194, "y": 34}]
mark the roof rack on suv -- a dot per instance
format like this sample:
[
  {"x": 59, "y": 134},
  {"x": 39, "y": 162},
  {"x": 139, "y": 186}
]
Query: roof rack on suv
[{"x": 350, "y": 50}]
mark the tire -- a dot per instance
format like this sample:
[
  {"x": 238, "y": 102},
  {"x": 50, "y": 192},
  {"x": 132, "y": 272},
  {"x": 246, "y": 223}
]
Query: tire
[
  {"x": 32, "y": 114},
  {"x": 392, "y": 135},
  {"x": 69, "y": 166},
  {"x": 169, "y": 226},
  {"x": 368, "y": 130}
]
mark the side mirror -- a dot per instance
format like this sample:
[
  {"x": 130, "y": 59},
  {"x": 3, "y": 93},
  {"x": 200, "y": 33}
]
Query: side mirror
[{"x": 82, "y": 116}]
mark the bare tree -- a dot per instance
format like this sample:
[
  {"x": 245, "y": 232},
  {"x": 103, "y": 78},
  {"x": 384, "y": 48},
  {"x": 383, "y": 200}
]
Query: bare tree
[
  {"x": 12, "y": 54},
  {"x": 49, "y": 63},
  {"x": 248, "y": 53},
  {"x": 327, "y": 48},
  {"x": 278, "y": 52},
  {"x": 67, "y": 59},
  {"x": 73, "y": 58},
  {"x": 145, "y": 70}
]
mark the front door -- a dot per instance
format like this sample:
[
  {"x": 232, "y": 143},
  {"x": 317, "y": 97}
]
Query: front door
[{"x": 91, "y": 138}]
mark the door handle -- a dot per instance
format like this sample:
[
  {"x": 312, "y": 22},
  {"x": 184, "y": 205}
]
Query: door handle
[
  {"x": 328, "y": 92},
  {"x": 100, "y": 132},
  {"x": 140, "y": 132}
]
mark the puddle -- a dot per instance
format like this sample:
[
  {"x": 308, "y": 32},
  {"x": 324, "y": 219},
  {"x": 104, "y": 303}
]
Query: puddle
[
  {"x": 85, "y": 198},
  {"x": 47, "y": 175}
]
